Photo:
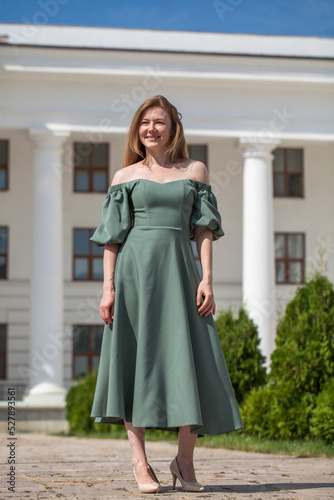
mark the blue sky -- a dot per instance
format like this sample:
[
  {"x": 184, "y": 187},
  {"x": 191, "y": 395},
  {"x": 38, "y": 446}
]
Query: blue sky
[{"x": 277, "y": 17}]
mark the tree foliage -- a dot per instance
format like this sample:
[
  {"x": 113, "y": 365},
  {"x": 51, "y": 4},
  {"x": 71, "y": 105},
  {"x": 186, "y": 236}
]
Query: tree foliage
[
  {"x": 240, "y": 343},
  {"x": 296, "y": 402}
]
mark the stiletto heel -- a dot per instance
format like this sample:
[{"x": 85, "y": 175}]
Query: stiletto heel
[
  {"x": 153, "y": 487},
  {"x": 174, "y": 479},
  {"x": 186, "y": 485}
]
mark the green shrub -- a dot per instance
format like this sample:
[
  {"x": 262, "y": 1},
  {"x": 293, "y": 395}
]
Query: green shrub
[
  {"x": 322, "y": 420},
  {"x": 79, "y": 402},
  {"x": 240, "y": 343},
  {"x": 288, "y": 418},
  {"x": 255, "y": 410},
  {"x": 304, "y": 354},
  {"x": 302, "y": 363},
  {"x": 268, "y": 412}
]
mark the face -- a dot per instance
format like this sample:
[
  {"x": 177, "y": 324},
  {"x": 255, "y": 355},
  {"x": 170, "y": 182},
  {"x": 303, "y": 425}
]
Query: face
[{"x": 155, "y": 128}]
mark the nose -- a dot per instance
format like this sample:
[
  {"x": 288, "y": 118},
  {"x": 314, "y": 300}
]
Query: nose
[{"x": 151, "y": 126}]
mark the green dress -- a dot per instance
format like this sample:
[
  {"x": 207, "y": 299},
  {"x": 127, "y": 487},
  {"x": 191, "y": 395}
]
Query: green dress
[{"x": 161, "y": 364}]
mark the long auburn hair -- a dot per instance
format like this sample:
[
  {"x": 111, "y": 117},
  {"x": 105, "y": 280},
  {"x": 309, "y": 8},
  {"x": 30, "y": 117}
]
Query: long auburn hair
[{"x": 177, "y": 149}]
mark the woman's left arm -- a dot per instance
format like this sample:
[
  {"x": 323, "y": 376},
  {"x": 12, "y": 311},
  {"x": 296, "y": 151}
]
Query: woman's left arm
[{"x": 203, "y": 238}]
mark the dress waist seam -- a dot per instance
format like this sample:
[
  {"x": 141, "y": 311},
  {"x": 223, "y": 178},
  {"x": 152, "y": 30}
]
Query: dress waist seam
[{"x": 158, "y": 227}]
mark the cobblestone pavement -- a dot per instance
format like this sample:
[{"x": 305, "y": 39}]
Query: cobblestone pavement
[{"x": 50, "y": 467}]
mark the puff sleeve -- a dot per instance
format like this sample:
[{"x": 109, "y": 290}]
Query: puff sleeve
[
  {"x": 205, "y": 212},
  {"x": 116, "y": 217}
]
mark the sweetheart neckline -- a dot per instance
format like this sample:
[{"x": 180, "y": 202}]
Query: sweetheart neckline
[
  {"x": 168, "y": 182},
  {"x": 160, "y": 183}
]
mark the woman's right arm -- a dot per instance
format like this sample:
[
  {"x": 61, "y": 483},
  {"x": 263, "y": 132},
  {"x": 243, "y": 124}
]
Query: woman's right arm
[
  {"x": 109, "y": 264},
  {"x": 108, "y": 297}
]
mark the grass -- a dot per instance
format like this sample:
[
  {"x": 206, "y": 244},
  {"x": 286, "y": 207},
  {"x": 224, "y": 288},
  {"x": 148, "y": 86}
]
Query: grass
[
  {"x": 243, "y": 442},
  {"x": 234, "y": 441}
]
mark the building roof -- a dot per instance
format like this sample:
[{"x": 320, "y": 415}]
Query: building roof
[{"x": 83, "y": 37}]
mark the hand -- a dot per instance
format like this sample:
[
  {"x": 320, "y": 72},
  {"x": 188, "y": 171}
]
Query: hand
[
  {"x": 208, "y": 306},
  {"x": 107, "y": 307}
]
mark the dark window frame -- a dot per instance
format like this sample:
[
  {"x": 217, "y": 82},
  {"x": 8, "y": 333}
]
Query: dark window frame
[
  {"x": 89, "y": 256},
  {"x": 287, "y": 175},
  {"x": 90, "y": 353},
  {"x": 6, "y": 254},
  {"x": 90, "y": 168},
  {"x": 4, "y": 353},
  {"x": 5, "y": 166},
  {"x": 189, "y": 146},
  {"x": 287, "y": 260}
]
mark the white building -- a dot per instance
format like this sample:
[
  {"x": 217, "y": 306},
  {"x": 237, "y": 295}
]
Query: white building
[{"x": 67, "y": 97}]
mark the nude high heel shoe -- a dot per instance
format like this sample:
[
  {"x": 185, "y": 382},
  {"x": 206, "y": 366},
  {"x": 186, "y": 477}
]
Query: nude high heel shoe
[
  {"x": 148, "y": 487},
  {"x": 186, "y": 485}
]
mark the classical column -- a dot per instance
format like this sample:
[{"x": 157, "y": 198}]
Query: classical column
[
  {"x": 46, "y": 307},
  {"x": 258, "y": 238}
]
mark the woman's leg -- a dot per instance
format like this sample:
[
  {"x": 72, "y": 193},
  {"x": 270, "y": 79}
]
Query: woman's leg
[
  {"x": 185, "y": 454},
  {"x": 136, "y": 437}
]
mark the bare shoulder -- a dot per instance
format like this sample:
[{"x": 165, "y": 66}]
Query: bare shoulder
[
  {"x": 118, "y": 177},
  {"x": 124, "y": 175},
  {"x": 199, "y": 171}
]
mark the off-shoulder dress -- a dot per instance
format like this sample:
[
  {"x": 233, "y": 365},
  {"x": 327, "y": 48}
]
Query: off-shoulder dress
[{"x": 161, "y": 363}]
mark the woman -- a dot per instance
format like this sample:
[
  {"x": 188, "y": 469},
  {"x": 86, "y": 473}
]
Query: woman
[{"x": 161, "y": 363}]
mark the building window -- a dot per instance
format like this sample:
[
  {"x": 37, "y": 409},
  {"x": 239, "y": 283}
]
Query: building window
[
  {"x": 290, "y": 257},
  {"x": 87, "y": 257},
  {"x": 198, "y": 152},
  {"x": 91, "y": 165},
  {"x": 3, "y": 165},
  {"x": 87, "y": 340},
  {"x": 288, "y": 172},
  {"x": 3, "y": 252},
  {"x": 3, "y": 349}
]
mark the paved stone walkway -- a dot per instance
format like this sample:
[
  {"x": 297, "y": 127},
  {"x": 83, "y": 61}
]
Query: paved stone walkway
[{"x": 74, "y": 468}]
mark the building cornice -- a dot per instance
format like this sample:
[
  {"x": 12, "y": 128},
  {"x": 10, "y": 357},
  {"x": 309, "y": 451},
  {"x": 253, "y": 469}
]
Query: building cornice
[
  {"x": 173, "y": 74},
  {"x": 166, "y": 41}
]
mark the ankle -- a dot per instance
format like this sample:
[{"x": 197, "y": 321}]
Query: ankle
[
  {"x": 184, "y": 459},
  {"x": 139, "y": 461}
]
